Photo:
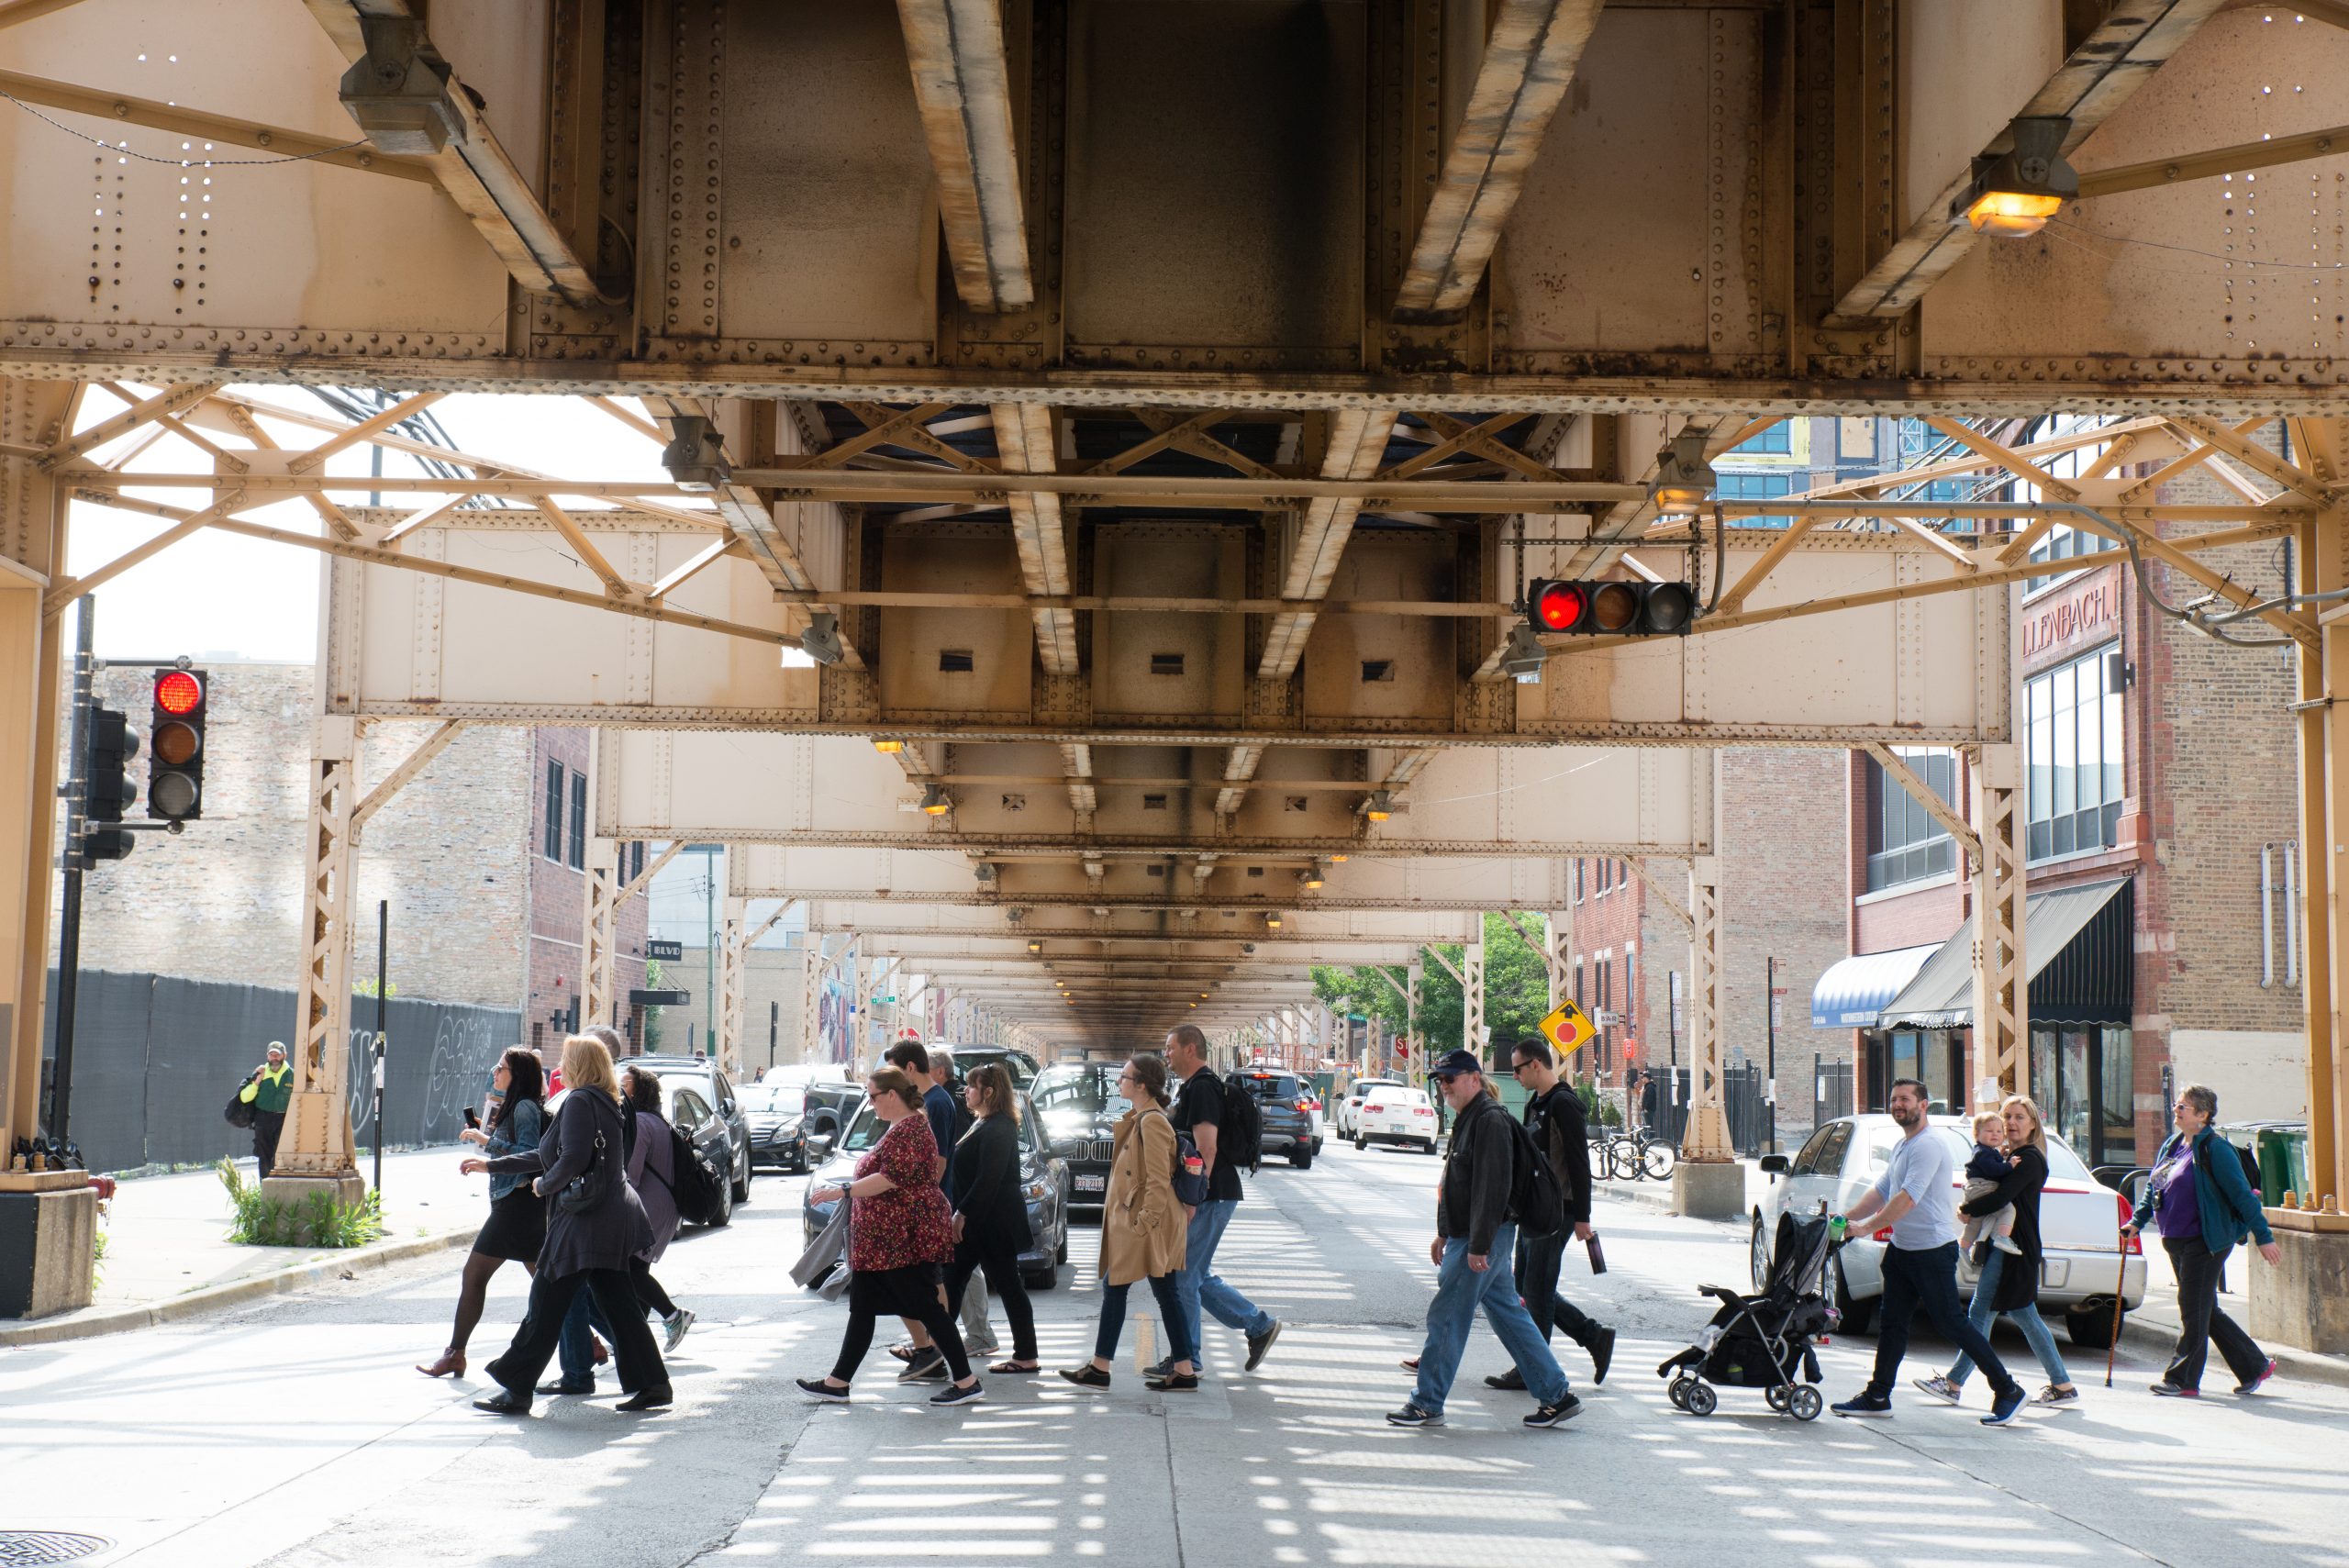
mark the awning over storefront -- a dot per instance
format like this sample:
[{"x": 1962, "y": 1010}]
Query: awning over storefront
[
  {"x": 2078, "y": 943},
  {"x": 1854, "y": 990}
]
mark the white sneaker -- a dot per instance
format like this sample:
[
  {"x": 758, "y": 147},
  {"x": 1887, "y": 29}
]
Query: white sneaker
[
  {"x": 676, "y": 1327},
  {"x": 2007, "y": 1244},
  {"x": 1940, "y": 1388}
]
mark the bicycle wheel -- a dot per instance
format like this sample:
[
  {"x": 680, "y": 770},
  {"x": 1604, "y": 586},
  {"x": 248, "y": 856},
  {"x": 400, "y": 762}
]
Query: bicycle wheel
[
  {"x": 1623, "y": 1162},
  {"x": 1656, "y": 1159}
]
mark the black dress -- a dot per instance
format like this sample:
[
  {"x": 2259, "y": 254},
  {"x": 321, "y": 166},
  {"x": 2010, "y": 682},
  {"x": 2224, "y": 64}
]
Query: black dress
[
  {"x": 2018, "y": 1277},
  {"x": 516, "y": 1229},
  {"x": 986, "y": 1191}
]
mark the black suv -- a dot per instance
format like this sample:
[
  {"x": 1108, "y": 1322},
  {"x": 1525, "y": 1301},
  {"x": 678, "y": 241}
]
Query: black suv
[
  {"x": 1286, "y": 1105},
  {"x": 699, "y": 1093},
  {"x": 1079, "y": 1106}
]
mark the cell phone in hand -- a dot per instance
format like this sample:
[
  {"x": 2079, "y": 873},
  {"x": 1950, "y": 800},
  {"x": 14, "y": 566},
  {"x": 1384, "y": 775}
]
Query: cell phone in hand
[
  {"x": 1598, "y": 1255},
  {"x": 472, "y": 1118}
]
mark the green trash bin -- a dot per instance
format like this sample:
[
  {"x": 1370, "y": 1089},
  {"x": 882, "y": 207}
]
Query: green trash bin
[{"x": 2272, "y": 1148}]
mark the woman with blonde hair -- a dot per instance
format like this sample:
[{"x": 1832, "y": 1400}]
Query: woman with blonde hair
[
  {"x": 595, "y": 1226},
  {"x": 1143, "y": 1231},
  {"x": 2008, "y": 1283}
]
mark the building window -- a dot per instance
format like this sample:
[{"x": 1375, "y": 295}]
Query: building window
[
  {"x": 1905, "y": 842},
  {"x": 1757, "y": 487},
  {"x": 1579, "y": 1001},
  {"x": 578, "y": 821},
  {"x": 2063, "y": 540},
  {"x": 1630, "y": 985},
  {"x": 2085, "y": 1074},
  {"x": 2073, "y": 724},
  {"x": 635, "y": 861},
  {"x": 554, "y": 811},
  {"x": 1778, "y": 437}
]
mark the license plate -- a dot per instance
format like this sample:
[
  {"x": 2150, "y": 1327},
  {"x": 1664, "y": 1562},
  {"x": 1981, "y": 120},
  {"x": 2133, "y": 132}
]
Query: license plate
[{"x": 1092, "y": 1184}]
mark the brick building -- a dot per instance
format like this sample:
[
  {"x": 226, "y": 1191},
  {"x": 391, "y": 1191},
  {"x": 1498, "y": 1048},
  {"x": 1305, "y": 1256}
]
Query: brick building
[
  {"x": 2162, "y": 829},
  {"x": 478, "y": 857}
]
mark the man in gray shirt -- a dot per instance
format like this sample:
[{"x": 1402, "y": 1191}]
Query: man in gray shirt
[{"x": 1917, "y": 1198}]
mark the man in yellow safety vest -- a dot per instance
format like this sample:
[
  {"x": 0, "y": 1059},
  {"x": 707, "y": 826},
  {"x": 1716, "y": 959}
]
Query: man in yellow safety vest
[{"x": 269, "y": 1091}]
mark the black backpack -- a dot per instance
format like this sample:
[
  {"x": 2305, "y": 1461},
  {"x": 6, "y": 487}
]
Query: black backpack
[
  {"x": 1535, "y": 1193},
  {"x": 697, "y": 1187},
  {"x": 2250, "y": 1166},
  {"x": 1239, "y": 1133}
]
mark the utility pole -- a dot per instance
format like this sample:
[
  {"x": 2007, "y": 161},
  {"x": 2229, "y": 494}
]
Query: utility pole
[
  {"x": 69, "y": 916},
  {"x": 709, "y": 946},
  {"x": 383, "y": 1036}
]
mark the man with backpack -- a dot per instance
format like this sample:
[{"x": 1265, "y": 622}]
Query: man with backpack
[
  {"x": 1554, "y": 1121},
  {"x": 1221, "y": 1122},
  {"x": 1478, "y": 1206}
]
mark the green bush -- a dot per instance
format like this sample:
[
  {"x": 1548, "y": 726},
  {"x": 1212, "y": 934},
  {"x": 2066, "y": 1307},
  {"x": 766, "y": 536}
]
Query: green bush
[{"x": 314, "y": 1221}]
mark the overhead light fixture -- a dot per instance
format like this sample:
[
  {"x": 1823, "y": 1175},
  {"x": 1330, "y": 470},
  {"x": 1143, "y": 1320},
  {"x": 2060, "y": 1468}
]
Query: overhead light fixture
[
  {"x": 821, "y": 641},
  {"x": 888, "y": 748},
  {"x": 1683, "y": 476},
  {"x": 984, "y": 873},
  {"x": 2014, "y": 194},
  {"x": 695, "y": 456},
  {"x": 1340, "y": 860},
  {"x": 1379, "y": 807},
  {"x": 1195, "y": 1003},
  {"x": 934, "y": 801},
  {"x": 1524, "y": 656},
  {"x": 1202, "y": 996},
  {"x": 1272, "y": 919},
  {"x": 1035, "y": 946}
]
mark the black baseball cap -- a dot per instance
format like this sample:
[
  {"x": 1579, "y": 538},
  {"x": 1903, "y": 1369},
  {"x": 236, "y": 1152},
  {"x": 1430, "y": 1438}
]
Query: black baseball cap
[{"x": 1452, "y": 1062}]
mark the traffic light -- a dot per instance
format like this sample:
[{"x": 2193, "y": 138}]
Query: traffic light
[
  {"x": 175, "y": 741},
  {"x": 107, "y": 790},
  {"x": 1610, "y": 607}
]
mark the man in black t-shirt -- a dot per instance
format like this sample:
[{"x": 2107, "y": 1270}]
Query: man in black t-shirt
[
  {"x": 1555, "y": 1118},
  {"x": 1199, "y": 1111}
]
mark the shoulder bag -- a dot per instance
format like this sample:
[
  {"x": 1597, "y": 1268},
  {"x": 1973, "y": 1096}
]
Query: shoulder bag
[{"x": 587, "y": 1190}]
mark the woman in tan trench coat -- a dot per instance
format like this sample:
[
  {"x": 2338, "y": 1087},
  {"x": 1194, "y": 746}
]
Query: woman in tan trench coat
[{"x": 1142, "y": 1230}]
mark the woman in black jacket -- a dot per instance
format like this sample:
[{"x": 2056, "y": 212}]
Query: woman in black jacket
[
  {"x": 2010, "y": 1284},
  {"x": 991, "y": 1226},
  {"x": 588, "y": 1247}
]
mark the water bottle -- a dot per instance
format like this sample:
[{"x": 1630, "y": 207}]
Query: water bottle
[{"x": 1835, "y": 1228}]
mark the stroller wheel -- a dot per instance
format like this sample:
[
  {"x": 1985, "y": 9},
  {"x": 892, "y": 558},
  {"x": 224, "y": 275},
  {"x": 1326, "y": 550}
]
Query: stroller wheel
[
  {"x": 1775, "y": 1397},
  {"x": 1702, "y": 1400},
  {"x": 1804, "y": 1403},
  {"x": 1677, "y": 1392}
]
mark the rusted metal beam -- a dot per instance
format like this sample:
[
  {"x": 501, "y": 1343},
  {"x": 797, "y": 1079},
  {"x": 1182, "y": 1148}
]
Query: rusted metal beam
[
  {"x": 1357, "y": 446},
  {"x": 1530, "y": 57},
  {"x": 1023, "y": 440},
  {"x": 962, "y": 87},
  {"x": 2218, "y": 160},
  {"x": 2096, "y": 79},
  {"x": 124, "y": 109}
]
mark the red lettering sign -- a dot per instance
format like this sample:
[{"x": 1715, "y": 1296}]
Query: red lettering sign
[{"x": 2083, "y": 613}]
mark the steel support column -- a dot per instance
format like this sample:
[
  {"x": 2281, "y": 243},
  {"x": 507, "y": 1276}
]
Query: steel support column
[
  {"x": 2001, "y": 1001},
  {"x": 727, "y": 1047},
  {"x": 317, "y": 1141},
  {"x": 1472, "y": 993},
  {"x": 1557, "y": 938},
  {"x": 1706, "y": 1141},
  {"x": 1415, "y": 982},
  {"x": 2324, "y": 806}
]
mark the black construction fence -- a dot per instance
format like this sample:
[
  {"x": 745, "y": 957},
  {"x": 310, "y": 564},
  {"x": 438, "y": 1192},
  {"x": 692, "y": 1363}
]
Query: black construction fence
[
  {"x": 155, "y": 1060},
  {"x": 1743, "y": 1087}
]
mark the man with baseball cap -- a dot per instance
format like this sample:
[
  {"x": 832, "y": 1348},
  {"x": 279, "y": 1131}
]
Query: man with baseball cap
[
  {"x": 269, "y": 1091},
  {"x": 1476, "y": 1230}
]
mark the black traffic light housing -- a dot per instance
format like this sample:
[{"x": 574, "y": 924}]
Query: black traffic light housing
[
  {"x": 107, "y": 790},
  {"x": 175, "y": 744},
  {"x": 1610, "y": 607}
]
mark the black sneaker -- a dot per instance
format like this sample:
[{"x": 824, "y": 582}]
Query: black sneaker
[
  {"x": 929, "y": 1369},
  {"x": 1513, "y": 1380},
  {"x": 2007, "y": 1405},
  {"x": 1564, "y": 1410},
  {"x": 1412, "y": 1416},
  {"x": 1260, "y": 1343},
  {"x": 2253, "y": 1386},
  {"x": 950, "y": 1395},
  {"x": 1602, "y": 1354},
  {"x": 1164, "y": 1367},
  {"x": 1864, "y": 1404},
  {"x": 816, "y": 1388}
]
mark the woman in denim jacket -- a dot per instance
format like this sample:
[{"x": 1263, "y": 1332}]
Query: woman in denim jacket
[
  {"x": 2200, "y": 1203},
  {"x": 518, "y": 1216}
]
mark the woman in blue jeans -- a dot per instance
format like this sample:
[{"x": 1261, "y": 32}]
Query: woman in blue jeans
[{"x": 2010, "y": 1284}]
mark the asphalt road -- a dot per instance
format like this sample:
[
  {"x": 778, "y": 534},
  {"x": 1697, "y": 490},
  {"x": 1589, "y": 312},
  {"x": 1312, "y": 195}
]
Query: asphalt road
[{"x": 293, "y": 1433}]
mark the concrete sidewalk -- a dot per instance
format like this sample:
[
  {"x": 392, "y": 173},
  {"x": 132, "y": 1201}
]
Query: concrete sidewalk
[
  {"x": 168, "y": 1255},
  {"x": 2152, "y": 1329}
]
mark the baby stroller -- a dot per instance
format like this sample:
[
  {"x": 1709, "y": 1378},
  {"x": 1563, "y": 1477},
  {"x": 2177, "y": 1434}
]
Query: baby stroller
[{"x": 1763, "y": 1341}]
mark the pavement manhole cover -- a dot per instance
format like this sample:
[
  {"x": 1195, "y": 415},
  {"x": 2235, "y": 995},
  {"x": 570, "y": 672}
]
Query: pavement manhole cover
[{"x": 29, "y": 1546}]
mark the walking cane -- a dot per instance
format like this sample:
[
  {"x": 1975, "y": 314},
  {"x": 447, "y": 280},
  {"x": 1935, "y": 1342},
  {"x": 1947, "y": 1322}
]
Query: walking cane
[{"x": 2120, "y": 1279}]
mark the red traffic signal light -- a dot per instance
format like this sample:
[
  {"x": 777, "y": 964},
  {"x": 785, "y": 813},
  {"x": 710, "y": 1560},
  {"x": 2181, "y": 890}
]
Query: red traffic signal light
[
  {"x": 175, "y": 743},
  {"x": 177, "y": 692},
  {"x": 1610, "y": 607}
]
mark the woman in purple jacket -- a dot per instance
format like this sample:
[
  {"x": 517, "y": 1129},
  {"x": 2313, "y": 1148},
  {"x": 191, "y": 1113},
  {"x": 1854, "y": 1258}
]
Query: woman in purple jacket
[{"x": 652, "y": 1172}]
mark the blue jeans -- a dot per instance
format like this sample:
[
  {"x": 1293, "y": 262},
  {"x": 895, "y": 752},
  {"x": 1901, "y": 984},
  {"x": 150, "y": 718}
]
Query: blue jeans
[
  {"x": 1199, "y": 1289},
  {"x": 1459, "y": 1291},
  {"x": 574, "y": 1352},
  {"x": 2033, "y": 1326}
]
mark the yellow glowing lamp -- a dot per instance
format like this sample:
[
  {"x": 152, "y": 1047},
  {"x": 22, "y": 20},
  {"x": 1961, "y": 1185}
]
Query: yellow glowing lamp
[
  {"x": 934, "y": 802},
  {"x": 1568, "y": 1030},
  {"x": 888, "y": 748},
  {"x": 1379, "y": 807},
  {"x": 1272, "y": 921},
  {"x": 2012, "y": 214}
]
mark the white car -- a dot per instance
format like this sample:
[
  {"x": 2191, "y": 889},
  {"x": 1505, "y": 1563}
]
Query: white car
[
  {"x": 1351, "y": 1107},
  {"x": 2079, "y": 1224},
  {"x": 1393, "y": 1114}
]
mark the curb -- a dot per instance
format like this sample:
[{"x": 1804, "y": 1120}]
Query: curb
[
  {"x": 2139, "y": 1332},
  {"x": 234, "y": 1294}
]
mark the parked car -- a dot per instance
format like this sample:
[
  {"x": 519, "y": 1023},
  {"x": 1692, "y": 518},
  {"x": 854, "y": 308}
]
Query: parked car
[
  {"x": 1079, "y": 1106},
  {"x": 778, "y": 1117},
  {"x": 1044, "y": 1179},
  {"x": 714, "y": 1097},
  {"x": 685, "y": 1099},
  {"x": 1284, "y": 1104},
  {"x": 830, "y": 1107},
  {"x": 2079, "y": 1223},
  {"x": 1349, "y": 1106},
  {"x": 1393, "y": 1114},
  {"x": 1019, "y": 1063}
]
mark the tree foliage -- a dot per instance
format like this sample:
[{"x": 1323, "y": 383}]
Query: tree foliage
[{"x": 1517, "y": 988}]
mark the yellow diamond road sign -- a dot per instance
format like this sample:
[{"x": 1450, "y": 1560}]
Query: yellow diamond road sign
[{"x": 1568, "y": 1030}]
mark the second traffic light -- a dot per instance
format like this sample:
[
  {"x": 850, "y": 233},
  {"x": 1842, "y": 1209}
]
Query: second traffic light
[
  {"x": 1610, "y": 607},
  {"x": 175, "y": 740},
  {"x": 107, "y": 791}
]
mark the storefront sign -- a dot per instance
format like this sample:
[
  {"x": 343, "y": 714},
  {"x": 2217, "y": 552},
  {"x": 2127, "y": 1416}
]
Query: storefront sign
[{"x": 2072, "y": 618}]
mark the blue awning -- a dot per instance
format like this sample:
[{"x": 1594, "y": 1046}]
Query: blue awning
[{"x": 1854, "y": 990}]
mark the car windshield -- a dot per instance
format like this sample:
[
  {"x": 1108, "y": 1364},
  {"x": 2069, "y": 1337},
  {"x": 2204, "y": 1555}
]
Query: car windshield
[
  {"x": 1274, "y": 1086},
  {"x": 1389, "y": 1095},
  {"x": 967, "y": 1057},
  {"x": 777, "y": 1099},
  {"x": 863, "y": 1132},
  {"x": 1079, "y": 1089}
]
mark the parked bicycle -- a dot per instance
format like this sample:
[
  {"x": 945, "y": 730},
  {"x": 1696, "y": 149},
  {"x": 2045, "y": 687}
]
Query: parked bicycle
[{"x": 1632, "y": 1154}]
